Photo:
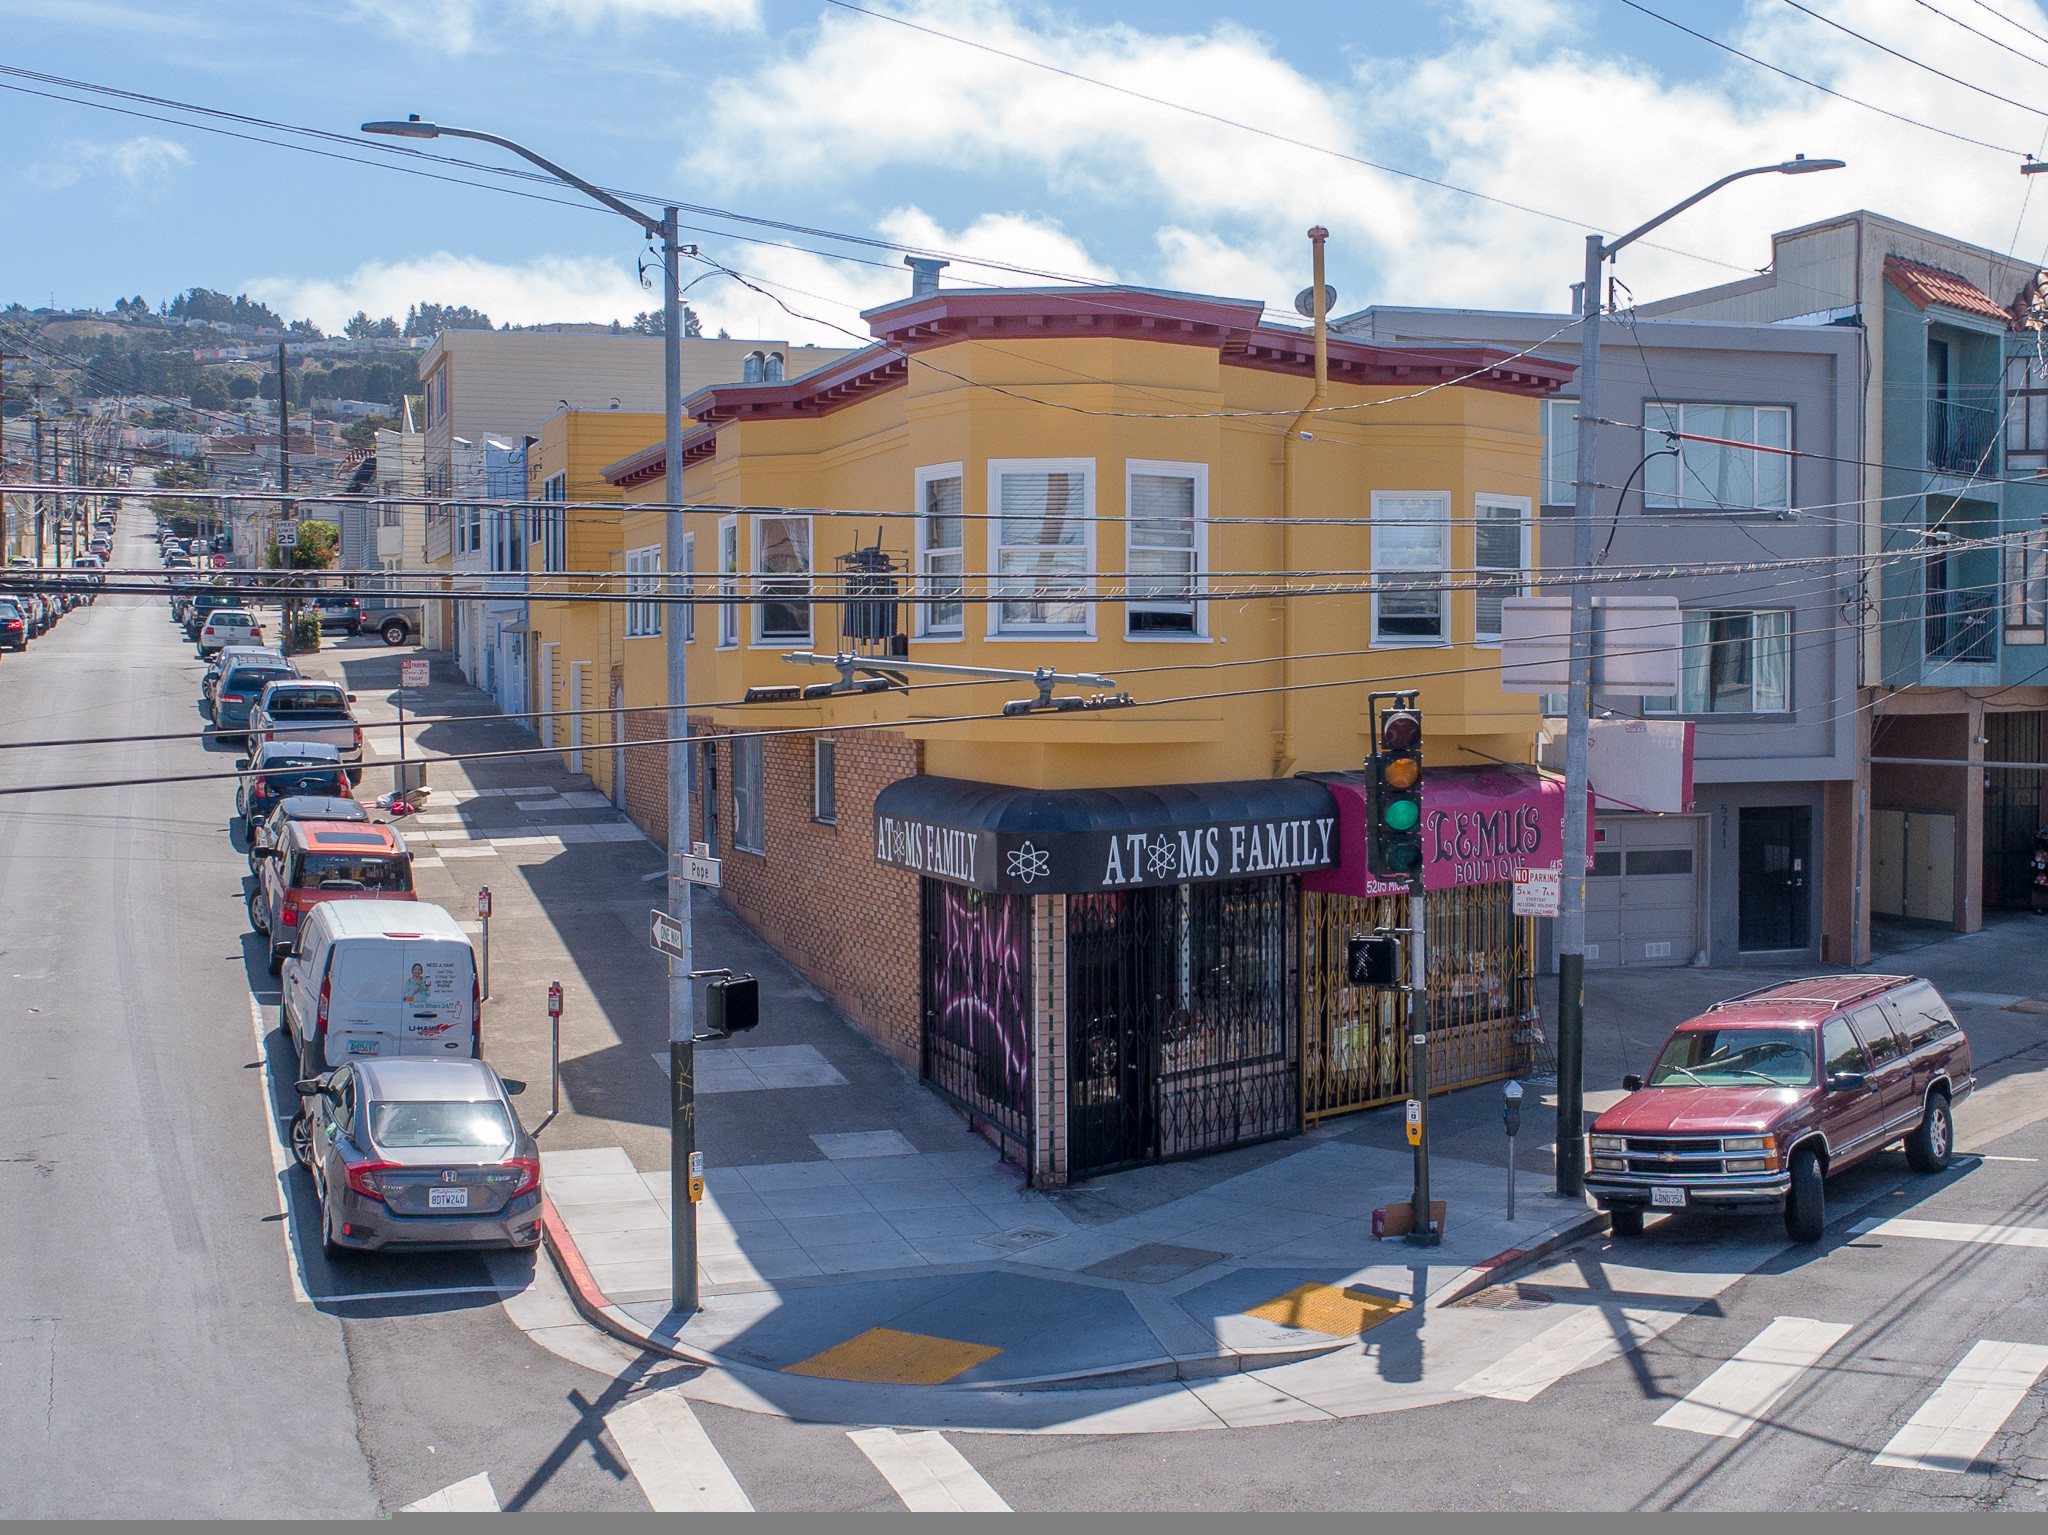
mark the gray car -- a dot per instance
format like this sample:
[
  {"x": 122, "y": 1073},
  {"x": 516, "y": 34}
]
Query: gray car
[{"x": 419, "y": 1153}]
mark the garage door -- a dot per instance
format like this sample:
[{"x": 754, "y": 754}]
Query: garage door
[{"x": 1642, "y": 898}]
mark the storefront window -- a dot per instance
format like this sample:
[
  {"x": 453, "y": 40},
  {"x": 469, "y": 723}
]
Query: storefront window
[{"x": 977, "y": 1002}]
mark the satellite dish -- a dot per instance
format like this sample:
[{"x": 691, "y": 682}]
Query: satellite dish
[{"x": 1305, "y": 301}]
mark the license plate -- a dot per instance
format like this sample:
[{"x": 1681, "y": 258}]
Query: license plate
[
  {"x": 447, "y": 1199},
  {"x": 369, "y": 1047},
  {"x": 1667, "y": 1198}
]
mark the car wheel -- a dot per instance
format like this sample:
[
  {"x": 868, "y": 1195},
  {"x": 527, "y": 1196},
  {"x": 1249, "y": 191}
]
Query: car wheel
[
  {"x": 1806, "y": 1204},
  {"x": 1930, "y": 1146},
  {"x": 330, "y": 1249},
  {"x": 1626, "y": 1223},
  {"x": 394, "y": 632},
  {"x": 302, "y": 1139},
  {"x": 256, "y": 922},
  {"x": 355, "y": 777}
]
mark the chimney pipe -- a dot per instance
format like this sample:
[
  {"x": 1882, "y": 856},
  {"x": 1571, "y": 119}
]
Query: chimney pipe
[{"x": 924, "y": 274}]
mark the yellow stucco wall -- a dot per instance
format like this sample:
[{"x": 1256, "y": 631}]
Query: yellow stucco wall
[{"x": 1120, "y": 396}]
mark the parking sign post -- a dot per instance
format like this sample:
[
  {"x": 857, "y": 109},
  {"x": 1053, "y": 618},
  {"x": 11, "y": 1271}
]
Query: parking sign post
[
  {"x": 554, "y": 1057},
  {"x": 483, "y": 915}
]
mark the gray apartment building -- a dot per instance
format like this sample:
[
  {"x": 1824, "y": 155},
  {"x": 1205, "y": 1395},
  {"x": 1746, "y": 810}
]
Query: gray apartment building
[
  {"x": 1952, "y": 613},
  {"x": 1764, "y": 868}
]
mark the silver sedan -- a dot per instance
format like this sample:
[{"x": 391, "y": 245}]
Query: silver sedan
[{"x": 418, "y": 1153}]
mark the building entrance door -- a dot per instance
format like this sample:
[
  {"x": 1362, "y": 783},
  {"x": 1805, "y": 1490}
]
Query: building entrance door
[
  {"x": 1771, "y": 895},
  {"x": 1120, "y": 973}
]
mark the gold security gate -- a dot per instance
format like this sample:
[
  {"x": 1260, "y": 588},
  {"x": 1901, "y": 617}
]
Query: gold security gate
[{"x": 1484, "y": 1021}]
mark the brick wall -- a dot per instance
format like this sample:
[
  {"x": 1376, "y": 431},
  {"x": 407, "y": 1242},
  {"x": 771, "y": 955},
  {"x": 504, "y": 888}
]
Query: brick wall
[{"x": 848, "y": 924}]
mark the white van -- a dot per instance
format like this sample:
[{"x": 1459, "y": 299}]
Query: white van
[{"x": 379, "y": 979}]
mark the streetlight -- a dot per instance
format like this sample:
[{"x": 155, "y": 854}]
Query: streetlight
[
  {"x": 682, "y": 1023},
  {"x": 1571, "y": 944}
]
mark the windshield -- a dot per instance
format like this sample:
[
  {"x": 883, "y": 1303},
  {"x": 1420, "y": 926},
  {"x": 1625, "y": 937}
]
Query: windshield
[
  {"x": 252, "y": 681},
  {"x": 353, "y": 871},
  {"x": 282, "y": 783},
  {"x": 483, "y": 1125},
  {"x": 303, "y": 701},
  {"x": 1776, "y": 1057},
  {"x": 233, "y": 616}
]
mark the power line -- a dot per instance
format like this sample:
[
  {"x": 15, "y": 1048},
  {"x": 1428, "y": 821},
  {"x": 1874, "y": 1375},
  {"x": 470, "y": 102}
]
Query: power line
[
  {"x": 1906, "y": 58},
  {"x": 2017, "y": 53},
  {"x": 1897, "y": 117}
]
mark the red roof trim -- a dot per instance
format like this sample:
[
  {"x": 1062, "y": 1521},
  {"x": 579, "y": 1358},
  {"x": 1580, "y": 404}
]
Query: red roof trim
[{"x": 1232, "y": 327}]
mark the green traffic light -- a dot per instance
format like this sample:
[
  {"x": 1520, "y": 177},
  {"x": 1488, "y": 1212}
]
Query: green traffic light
[{"x": 1402, "y": 815}]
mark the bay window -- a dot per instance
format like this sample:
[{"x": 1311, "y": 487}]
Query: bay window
[
  {"x": 1166, "y": 506},
  {"x": 1500, "y": 555},
  {"x": 941, "y": 546},
  {"x": 1045, "y": 514},
  {"x": 782, "y": 579}
]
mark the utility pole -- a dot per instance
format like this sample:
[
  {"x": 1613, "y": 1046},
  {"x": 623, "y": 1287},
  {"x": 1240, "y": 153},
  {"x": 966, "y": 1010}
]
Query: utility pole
[
  {"x": 1571, "y": 921},
  {"x": 682, "y": 1018},
  {"x": 284, "y": 485},
  {"x": 42, "y": 501}
]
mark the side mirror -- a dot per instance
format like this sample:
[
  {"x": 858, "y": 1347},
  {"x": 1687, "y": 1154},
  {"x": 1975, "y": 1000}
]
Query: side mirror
[
  {"x": 322, "y": 1086},
  {"x": 241, "y": 764},
  {"x": 269, "y": 852},
  {"x": 351, "y": 698},
  {"x": 512, "y": 1085},
  {"x": 1846, "y": 1082},
  {"x": 1631, "y": 1083}
]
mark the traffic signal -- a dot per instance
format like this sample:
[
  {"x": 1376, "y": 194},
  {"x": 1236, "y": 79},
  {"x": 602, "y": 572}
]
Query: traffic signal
[{"x": 1394, "y": 797}]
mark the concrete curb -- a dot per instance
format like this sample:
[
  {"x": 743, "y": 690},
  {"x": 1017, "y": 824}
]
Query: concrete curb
[
  {"x": 1507, "y": 1265},
  {"x": 597, "y": 1309}
]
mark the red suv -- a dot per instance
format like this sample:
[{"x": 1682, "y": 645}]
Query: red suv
[{"x": 1753, "y": 1103}]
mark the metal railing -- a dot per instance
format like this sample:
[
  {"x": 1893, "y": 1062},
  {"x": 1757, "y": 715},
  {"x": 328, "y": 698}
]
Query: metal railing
[
  {"x": 1960, "y": 437},
  {"x": 1961, "y": 627}
]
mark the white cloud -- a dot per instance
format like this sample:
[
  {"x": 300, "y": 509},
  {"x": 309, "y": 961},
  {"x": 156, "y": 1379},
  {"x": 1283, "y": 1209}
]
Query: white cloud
[
  {"x": 1521, "y": 105},
  {"x": 141, "y": 161},
  {"x": 459, "y": 25},
  {"x": 547, "y": 288}
]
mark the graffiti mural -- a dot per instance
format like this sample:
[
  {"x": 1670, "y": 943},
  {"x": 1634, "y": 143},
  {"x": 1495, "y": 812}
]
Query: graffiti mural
[{"x": 977, "y": 1002}]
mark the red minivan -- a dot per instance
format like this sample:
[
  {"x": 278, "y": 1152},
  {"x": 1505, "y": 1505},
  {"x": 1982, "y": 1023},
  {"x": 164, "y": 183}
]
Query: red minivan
[
  {"x": 1755, "y": 1102},
  {"x": 324, "y": 861}
]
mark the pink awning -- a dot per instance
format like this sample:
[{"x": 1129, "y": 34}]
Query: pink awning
[{"x": 1479, "y": 825}]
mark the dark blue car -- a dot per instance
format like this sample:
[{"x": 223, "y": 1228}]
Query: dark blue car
[
  {"x": 239, "y": 688},
  {"x": 282, "y": 769}
]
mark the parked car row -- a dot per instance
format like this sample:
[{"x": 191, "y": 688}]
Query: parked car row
[{"x": 409, "y": 1134}]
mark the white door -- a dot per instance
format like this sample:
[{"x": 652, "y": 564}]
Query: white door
[
  {"x": 1930, "y": 867},
  {"x": 1888, "y": 862},
  {"x": 1642, "y": 898}
]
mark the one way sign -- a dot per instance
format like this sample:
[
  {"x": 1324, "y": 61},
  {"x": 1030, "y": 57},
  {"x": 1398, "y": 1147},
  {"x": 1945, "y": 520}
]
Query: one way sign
[{"x": 668, "y": 934}]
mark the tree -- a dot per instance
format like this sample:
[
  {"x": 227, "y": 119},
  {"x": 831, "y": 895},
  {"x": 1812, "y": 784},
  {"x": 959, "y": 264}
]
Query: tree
[
  {"x": 363, "y": 328},
  {"x": 653, "y": 322},
  {"x": 431, "y": 319},
  {"x": 209, "y": 393},
  {"x": 205, "y": 304},
  {"x": 242, "y": 387},
  {"x": 363, "y": 434},
  {"x": 308, "y": 330},
  {"x": 314, "y": 551}
]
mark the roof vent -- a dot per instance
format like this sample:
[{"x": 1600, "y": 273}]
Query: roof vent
[{"x": 924, "y": 274}]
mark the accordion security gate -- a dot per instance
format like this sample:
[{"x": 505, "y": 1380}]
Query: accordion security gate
[
  {"x": 1181, "y": 1020},
  {"x": 1484, "y": 1021}
]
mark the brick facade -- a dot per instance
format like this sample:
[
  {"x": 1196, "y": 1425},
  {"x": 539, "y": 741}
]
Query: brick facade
[{"x": 848, "y": 924}]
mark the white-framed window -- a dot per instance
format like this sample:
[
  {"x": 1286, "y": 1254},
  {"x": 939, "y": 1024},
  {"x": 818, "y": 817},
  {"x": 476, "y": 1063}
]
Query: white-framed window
[
  {"x": 1411, "y": 535},
  {"x": 1166, "y": 521},
  {"x": 643, "y": 577},
  {"x": 825, "y": 780},
  {"x": 941, "y": 549},
  {"x": 1713, "y": 475},
  {"x": 1043, "y": 515},
  {"x": 1501, "y": 537},
  {"x": 2026, "y": 589},
  {"x": 1735, "y": 661},
  {"x": 689, "y": 586},
  {"x": 728, "y": 580},
  {"x": 749, "y": 799},
  {"x": 782, "y": 579},
  {"x": 548, "y": 525},
  {"x": 1560, "y": 452}
]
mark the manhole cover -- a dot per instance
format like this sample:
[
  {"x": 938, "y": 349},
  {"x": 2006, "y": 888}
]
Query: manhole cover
[{"x": 1017, "y": 1241}]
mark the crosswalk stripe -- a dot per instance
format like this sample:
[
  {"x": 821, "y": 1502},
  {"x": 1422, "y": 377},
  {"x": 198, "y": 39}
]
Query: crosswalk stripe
[
  {"x": 677, "y": 1466},
  {"x": 929, "y": 1475},
  {"x": 1586, "y": 1338},
  {"x": 1732, "y": 1400},
  {"x": 1954, "y": 1231},
  {"x": 1953, "y": 1425},
  {"x": 472, "y": 1495}
]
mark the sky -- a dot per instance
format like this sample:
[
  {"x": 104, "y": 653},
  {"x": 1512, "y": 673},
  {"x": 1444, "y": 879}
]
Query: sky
[{"x": 1457, "y": 150}]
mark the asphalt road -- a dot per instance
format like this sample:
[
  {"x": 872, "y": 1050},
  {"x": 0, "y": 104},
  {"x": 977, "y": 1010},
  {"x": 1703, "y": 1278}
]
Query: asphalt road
[
  {"x": 154, "y": 1356},
  {"x": 172, "y": 1344}
]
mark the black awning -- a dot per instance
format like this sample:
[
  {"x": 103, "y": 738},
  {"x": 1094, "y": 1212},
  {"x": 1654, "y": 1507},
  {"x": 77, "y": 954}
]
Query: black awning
[{"x": 1071, "y": 841}]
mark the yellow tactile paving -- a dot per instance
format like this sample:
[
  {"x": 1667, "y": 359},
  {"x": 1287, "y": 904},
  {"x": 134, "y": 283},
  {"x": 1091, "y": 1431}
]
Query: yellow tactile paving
[
  {"x": 1326, "y": 1309},
  {"x": 884, "y": 1356}
]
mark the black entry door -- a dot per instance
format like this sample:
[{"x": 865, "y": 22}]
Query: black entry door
[
  {"x": 1777, "y": 855},
  {"x": 1119, "y": 985}
]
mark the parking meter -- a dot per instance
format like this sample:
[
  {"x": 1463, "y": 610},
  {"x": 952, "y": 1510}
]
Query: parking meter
[{"x": 1511, "y": 1120}]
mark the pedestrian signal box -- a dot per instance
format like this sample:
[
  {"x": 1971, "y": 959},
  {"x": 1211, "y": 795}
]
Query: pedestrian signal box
[{"x": 1372, "y": 961}]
